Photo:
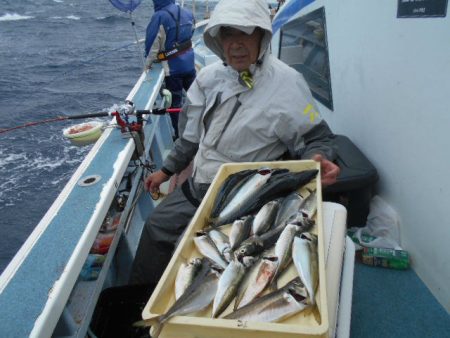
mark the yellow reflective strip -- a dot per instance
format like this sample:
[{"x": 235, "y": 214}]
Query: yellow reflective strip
[
  {"x": 312, "y": 114},
  {"x": 307, "y": 109}
]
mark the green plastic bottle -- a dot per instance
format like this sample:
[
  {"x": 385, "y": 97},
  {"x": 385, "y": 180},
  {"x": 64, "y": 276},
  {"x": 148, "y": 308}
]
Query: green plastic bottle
[{"x": 387, "y": 258}]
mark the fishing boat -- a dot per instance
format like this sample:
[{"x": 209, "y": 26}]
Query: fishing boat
[{"x": 366, "y": 92}]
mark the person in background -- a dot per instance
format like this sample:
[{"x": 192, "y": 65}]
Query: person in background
[
  {"x": 168, "y": 40},
  {"x": 247, "y": 107}
]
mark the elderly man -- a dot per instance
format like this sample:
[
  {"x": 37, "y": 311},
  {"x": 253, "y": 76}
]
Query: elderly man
[{"x": 250, "y": 107}]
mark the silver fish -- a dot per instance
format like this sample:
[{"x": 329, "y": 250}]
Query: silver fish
[
  {"x": 246, "y": 192},
  {"x": 185, "y": 276},
  {"x": 240, "y": 230},
  {"x": 283, "y": 248},
  {"x": 228, "y": 284},
  {"x": 256, "y": 280},
  {"x": 222, "y": 243},
  {"x": 309, "y": 208},
  {"x": 274, "y": 306},
  {"x": 197, "y": 297},
  {"x": 257, "y": 244},
  {"x": 289, "y": 206},
  {"x": 265, "y": 217},
  {"x": 207, "y": 248},
  {"x": 305, "y": 256},
  {"x": 279, "y": 185},
  {"x": 228, "y": 189}
]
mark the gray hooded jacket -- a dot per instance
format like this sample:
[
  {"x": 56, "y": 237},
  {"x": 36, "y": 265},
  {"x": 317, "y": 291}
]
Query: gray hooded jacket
[{"x": 224, "y": 121}]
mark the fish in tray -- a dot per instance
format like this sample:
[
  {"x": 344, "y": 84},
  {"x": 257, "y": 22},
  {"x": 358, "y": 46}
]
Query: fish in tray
[
  {"x": 206, "y": 246},
  {"x": 309, "y": 207},
  {"x": 240, "y": 230},
  {"x": 222, "y": 243},
  {"x": 257, "y": 279},
  {"x": 272, "y": 264},
  {"x": 228, "y": 285},
  {"x": 197, "y": 297},
  {"x": 275, "y": 306},
  {"x": 283, "y": 249},
  {"x": 186, "y": 275},
  {"x": 257, "y": 244},
  {"x": 289, "y": 206},
  {"x": 229, "y": 189},
  {"x": 261, "y": 188},
  {"x": 306, "y": 261},
  {"x": 243, "y": 195},
  {"x": 265, "y": 217}
]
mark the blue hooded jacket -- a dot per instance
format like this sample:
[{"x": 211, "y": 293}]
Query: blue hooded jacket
[{"x": 166, "y": 14}]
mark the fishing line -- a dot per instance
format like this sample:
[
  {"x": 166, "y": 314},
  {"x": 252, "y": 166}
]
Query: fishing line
[
  {"x": 87, "y": 62},
  {"x": 161, "y": 111}
]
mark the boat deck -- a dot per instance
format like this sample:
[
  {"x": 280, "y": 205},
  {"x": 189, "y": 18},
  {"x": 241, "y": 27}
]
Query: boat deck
[{"x": 393, "y": 303}]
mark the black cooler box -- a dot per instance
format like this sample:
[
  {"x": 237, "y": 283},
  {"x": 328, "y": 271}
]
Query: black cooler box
[{"x": 355, "y": 184}]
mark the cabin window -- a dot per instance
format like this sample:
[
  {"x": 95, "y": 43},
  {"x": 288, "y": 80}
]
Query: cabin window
[{"x": 304, "y": 47}]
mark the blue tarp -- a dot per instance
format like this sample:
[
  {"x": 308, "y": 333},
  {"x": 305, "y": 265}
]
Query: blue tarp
[{"x": 125, "y": 6}]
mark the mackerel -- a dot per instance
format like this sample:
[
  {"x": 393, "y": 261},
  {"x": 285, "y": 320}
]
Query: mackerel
[
  {"x": 283, "y": 249},
  {"x": 256, "y": 280},
  {"x": 265, "y": 217},
  {"x": 309, "y": 208},
  {"x": 197, "y": 297},
  {"x": 289, "y": 206},
  {"x": 186, "y": 275},
  {"x": 244, "y": 195},
  {"x": 305, "y": 256},
  {"x": 257, "y": 244},
  {"x": 228, "y": 285},
  {"x": 222, "y": 243},
  {"x": 229, "y": 188},
  {"x": 207, "y": 248},
  {"x": 274, "y": 306},
  {"x": 240, "y": 230},
  {"x": 280, "y": 186}
]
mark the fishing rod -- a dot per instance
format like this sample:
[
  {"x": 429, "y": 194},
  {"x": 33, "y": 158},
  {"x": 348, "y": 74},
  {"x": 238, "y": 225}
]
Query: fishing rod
[{"x": 125, "y": 112}]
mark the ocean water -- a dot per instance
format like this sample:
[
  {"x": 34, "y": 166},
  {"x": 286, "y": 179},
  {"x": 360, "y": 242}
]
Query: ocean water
[{"x": 57, "y": 57}]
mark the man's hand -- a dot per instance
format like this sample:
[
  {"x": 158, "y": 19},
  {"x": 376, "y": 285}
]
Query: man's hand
[
  {"x": 153, "y": 181},
  {"x": 148, "y": 63},
  {"x": 329, "y": 170}
]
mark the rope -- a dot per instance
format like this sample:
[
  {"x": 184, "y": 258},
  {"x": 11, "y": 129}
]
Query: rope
[{"x": 137, "y": 40}]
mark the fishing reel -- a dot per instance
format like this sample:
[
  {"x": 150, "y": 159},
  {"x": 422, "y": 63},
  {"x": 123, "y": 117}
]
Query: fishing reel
[
  {"x": 131, "y": 129},
  {"x": 122, "y": 115}
]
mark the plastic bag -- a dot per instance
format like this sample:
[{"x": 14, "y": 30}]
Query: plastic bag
[{"x": 382, "y": 227}]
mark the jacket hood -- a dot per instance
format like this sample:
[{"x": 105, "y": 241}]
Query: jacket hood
[
  {"x": 244, "y": 15},
  {"x": 158, "y": 4}
]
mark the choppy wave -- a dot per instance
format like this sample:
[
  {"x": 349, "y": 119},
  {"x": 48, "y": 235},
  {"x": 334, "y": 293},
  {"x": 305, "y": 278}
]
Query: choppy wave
[
  {"x": 73, "y": 17},
  {"x": 15, "y": 17}
]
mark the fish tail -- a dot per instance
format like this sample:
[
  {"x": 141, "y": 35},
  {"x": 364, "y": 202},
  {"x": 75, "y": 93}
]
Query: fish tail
[
  {"x": 156, "y": 330},
  {"x": 154, "y": 322},
  {"x": 144, "y": 323}
]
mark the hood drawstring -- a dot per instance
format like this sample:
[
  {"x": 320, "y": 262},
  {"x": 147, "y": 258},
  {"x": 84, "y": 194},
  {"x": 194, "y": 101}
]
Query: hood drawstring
[{"x": 246, "y": 79}]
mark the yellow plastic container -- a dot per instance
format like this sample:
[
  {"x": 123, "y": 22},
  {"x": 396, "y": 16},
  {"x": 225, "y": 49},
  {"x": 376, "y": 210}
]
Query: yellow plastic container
[
  {"x": 311, "y": 322},
  {"x": 84, "y": 133}
]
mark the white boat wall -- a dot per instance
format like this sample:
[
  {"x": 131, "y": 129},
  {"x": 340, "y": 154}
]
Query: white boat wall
[{"x": 390, "y": 85}]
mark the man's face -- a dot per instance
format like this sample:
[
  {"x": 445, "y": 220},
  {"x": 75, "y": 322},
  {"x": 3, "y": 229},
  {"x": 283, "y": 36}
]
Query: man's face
[{"x": 241, "y": 49}]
